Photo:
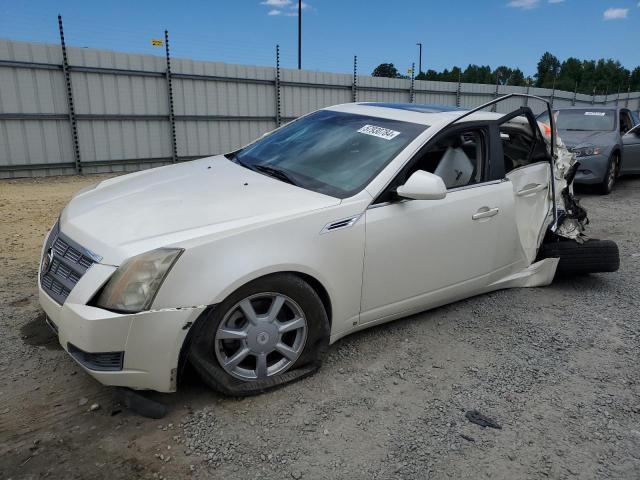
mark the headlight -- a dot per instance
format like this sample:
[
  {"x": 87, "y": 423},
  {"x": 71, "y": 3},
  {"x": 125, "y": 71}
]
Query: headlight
[
  {"x": 587, "y": 151},
  {"x": 135, "y": 283}
]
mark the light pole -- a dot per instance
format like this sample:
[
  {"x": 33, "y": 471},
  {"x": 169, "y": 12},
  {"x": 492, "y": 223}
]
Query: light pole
[
  {"x": 420, "y": 59},
  {"x": 299, "y": 34}
]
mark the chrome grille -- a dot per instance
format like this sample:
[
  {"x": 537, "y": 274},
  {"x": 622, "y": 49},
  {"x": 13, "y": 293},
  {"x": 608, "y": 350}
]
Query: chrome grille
[{"x": 63, "y": 265}]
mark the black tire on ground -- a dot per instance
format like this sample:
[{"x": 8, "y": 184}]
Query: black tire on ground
[
  {"x": 592, "y": 256},
  {"x": 613, "y": 169},
  {"x": 202, "y": 348}
]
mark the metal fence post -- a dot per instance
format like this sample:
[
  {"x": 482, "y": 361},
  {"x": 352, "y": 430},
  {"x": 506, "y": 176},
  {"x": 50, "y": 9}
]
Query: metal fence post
[
  {"x": 593, "y": 98},
  {"x": 618, "y": 96},
  {"x": 75, "y": 142},
  {"x": 628, "y": 95},
  {"x": 526, "y": 99},
  {"x": 354, "y": 85},
  {"x": 277, "y": 85},
  {"x": 575, "y": 94},
  {"x": 459, "y": 89},
  {"x": 495, "y": 94},
  {"x": 411, "y": 88},
  {"x": 172, "y": 118},
  {"x": 553, "y": 91}
]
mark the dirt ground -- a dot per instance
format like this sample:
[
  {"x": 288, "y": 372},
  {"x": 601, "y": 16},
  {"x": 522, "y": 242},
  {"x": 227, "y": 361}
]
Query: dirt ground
[{"x": 556, "y": 367}]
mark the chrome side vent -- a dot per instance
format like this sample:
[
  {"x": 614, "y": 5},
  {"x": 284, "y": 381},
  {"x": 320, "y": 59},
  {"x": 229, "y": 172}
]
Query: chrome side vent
[{"x": 340, "y": 224}]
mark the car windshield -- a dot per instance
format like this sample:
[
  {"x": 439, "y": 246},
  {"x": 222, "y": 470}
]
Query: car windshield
[
  {"x": 329, "y": 152},
  {"x": 583, "y": 120}
]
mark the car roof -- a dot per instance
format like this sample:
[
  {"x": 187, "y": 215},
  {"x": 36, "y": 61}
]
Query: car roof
[{"x": 424, "y": 114}]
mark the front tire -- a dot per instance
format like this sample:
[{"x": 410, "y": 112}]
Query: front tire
[
  {"x": 269, "y": 332},
  {"x": 613, "y": 170}
]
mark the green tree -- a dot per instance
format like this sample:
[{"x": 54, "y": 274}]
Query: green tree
[
  {"x": 634, "y": 80},
  {"x": 548, "y": 69},
  {"x": 604, "y": 75},
  {"x": 517, "y": 78},
  {"x": 570, "y": 75},
  {"x": 386, "y": 70}
]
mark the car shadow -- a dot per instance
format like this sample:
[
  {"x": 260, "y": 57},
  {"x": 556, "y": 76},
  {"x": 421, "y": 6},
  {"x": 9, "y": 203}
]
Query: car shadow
[{"x": 37, "y": 333}]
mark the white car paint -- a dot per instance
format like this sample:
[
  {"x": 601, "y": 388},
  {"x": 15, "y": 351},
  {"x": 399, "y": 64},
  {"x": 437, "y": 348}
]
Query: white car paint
[{"x": 236, "y": 225}]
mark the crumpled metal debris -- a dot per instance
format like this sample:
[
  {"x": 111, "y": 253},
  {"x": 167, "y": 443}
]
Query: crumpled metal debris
[{"x": 572, "y": 218}]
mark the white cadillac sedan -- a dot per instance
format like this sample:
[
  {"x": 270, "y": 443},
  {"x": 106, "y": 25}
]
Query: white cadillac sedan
[{"x": 248, "y": 265}]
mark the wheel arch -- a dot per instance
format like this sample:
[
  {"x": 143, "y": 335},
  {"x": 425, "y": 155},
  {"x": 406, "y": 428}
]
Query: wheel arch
[{"x": 315, "y": 284}]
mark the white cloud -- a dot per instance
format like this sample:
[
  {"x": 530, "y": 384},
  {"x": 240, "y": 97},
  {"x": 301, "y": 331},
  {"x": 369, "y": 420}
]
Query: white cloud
[
  {"x": 615, "y": 13},
  {"x": 304, "y": 6},
  {"x": 523, "y": 4},
  {"x": 276, "y": 3},
  {"x": 556, "y": 1},
  {"x": 287, "y": 8}
]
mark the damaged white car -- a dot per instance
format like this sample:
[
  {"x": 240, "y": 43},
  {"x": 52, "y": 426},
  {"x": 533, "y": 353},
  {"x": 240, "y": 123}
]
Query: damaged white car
[{"x": 248, "y": 265}]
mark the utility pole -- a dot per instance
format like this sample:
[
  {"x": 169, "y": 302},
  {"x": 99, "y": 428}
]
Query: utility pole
[
  {"x": 420, "y": 59},
  {"x": 299, "y": 34}
]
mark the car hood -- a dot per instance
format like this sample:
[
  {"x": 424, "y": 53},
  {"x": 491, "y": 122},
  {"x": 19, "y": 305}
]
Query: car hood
[
  {"x": 127, "y": 215},
  {"x": 578, "y": 139}
]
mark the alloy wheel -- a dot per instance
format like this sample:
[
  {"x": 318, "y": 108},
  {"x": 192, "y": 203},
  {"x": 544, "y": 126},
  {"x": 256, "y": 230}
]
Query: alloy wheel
[
  {"x": 613, "y": 172},
  {"x": 261, "y": 336}
]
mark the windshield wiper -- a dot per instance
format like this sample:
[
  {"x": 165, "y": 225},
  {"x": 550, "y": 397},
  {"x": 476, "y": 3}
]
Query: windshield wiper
[{"x": 275, "y": 173}]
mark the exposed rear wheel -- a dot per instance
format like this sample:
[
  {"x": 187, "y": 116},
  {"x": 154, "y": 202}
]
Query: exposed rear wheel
[
  {"x": 267, "y": 333},
  {"x": 592, "y": 256}
]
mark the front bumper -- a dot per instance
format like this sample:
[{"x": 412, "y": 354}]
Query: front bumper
[
  {"x": 150, "y": 341},
  {"x": 592, "y": 169}
]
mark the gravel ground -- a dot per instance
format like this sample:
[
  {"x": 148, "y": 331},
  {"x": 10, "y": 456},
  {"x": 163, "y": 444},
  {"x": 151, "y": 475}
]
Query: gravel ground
[{"x": 556, "y": 367}]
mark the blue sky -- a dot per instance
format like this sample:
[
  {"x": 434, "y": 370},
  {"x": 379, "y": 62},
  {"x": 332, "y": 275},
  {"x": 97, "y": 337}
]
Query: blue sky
[{"x": 453, "y": 32}]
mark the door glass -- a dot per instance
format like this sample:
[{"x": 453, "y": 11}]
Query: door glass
[
  {"x": 625, "y": 122},
  {"x": 520, "y": 145},
  {"x": 458, "y": 158}
]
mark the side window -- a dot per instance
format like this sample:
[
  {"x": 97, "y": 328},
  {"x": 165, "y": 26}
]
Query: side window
[
  {"x": 625, "y": 122},
  {"x": 459, "y": 158},
  {"x": 521, "y": 145}
]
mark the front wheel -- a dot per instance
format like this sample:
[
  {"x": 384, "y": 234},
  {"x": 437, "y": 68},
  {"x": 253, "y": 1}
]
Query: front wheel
[
  {"x": 269, "y": 332},
  {"x": 613, "y": 170}
]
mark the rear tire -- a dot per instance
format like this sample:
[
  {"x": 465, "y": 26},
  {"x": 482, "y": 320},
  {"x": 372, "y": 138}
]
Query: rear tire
[
  {"x": 212, "y": 350},
  {"x": 613, "y": 170},
  {"x": 592, "y": 256}
]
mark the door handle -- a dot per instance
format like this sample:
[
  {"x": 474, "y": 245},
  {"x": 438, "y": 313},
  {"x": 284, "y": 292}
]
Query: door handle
[
  {"x": 531, "y": 189},
  {"x": 485, "y": 212}
]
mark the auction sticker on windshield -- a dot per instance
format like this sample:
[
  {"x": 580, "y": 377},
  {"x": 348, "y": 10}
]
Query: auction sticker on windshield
[
  {"x": 379, "y": 132},
  {"x": 597, "y": 114}
]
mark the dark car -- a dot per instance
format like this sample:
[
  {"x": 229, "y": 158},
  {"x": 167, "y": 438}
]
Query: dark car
[{"x": 600, "y": 138}]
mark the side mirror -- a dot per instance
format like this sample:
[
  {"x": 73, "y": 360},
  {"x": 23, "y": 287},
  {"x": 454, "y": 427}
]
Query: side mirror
[{"x": 423, "y": 185}]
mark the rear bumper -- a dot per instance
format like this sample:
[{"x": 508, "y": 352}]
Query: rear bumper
[{"x": 149, "y": 342}]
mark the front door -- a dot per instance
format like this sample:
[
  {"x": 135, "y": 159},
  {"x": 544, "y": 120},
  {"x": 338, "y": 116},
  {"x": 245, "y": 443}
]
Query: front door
[
  {"x": 631, "y": 153},
  {"x": 424, "y": 253}
]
